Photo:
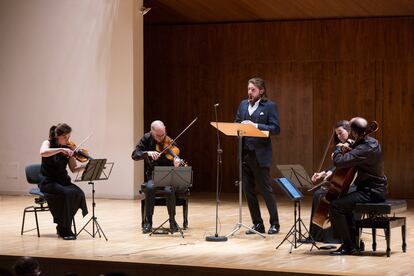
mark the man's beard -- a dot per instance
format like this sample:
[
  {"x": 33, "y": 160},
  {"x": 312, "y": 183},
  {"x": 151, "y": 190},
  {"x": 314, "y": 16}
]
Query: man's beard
[{"x": 253, "y": 100}]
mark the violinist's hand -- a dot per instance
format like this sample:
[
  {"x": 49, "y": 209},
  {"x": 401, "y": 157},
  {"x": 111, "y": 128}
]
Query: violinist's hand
[
  {"x": 345, "y": 147},
  {"x": 153, "y": 154},
  {"x": 67, "y": 152},
  {"x": 318, "y": 177},
  {"x": 177, "y": 162}
]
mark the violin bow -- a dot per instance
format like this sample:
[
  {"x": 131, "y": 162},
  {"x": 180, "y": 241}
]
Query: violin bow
[
  {"x": 326, "y": 151},
  {"x": 178, "y": 136},
  {"x": 81, "y": 143}
]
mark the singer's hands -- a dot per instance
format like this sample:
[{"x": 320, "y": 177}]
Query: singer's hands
[
  {"x": 153, "y": 154},
  {"x": 249, "y": 122}
]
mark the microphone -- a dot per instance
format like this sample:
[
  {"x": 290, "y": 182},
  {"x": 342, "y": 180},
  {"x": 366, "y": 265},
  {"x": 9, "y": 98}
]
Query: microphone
[{"x": 217, "y": 104}]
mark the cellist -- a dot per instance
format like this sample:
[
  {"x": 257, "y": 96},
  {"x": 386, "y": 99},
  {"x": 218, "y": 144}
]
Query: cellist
[
  {"x": 371, "y": 183},
  {"x": 342, "y": 131}
]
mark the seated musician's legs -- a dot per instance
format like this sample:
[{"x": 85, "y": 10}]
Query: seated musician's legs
[
  {"x": 171, "y": 202},
  {"x": 63, "y": 202},
  {"x": 341, "y": 216},
  {"x": 149, "y": 191}
]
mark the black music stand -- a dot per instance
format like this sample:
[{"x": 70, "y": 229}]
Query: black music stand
[
  {"x": 96, "y": 169},
  {"x": 295, "y": 195},
  {"x": 178, "y": 178},
  {"x": 297, "y": 174}
]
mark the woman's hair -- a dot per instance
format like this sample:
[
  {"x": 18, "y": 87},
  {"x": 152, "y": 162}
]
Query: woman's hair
[
  {"x": 58, "y": 130},
  {"x": 345, "y": 125},
  {"x": 260, "y": 83}
]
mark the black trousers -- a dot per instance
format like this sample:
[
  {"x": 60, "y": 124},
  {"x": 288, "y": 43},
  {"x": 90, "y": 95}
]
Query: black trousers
[
  {"x": 341, "y": 213},
  {"x": 149, "y": 191},
  {"x": 254, "y": 174},
  {"x": 320, "y": 234},
  {"x": 63, "y": 200}
]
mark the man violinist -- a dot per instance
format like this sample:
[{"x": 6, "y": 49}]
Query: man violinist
[
  {"x": 146, "y": 150},
  {"x": 371, "y": 183}
]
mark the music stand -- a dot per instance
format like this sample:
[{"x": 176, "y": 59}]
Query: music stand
[
  {"x": 295, "y": 195},
  {"x": 240, "y": 130},
  {"x": 297, "y": 174},
  {"x": 96, "y": 169},
  {"x": 176, "y": 177}
]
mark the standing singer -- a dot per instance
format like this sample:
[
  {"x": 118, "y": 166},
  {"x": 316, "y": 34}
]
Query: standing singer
[{"x": 257, "y": 153}]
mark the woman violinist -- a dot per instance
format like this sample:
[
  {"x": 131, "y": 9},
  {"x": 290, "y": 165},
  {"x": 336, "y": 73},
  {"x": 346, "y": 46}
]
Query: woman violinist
[{"x": 63, "y": 197}]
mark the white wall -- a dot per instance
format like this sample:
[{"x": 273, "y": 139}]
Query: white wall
[{"x": 73, "y": 61}]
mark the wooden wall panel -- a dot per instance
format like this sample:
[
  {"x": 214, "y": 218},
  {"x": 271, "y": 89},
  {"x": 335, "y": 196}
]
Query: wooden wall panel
[
  {"x": 341, "y": 90},
  {"x": 317, "y": 72},
  {"x": 398, "y": 145}
]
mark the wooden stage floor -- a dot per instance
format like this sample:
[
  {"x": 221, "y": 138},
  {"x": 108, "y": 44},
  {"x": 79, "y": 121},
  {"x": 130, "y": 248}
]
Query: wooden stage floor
[{"x": 120, "y": 220}]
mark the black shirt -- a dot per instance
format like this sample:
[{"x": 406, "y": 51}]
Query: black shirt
[
  {"x": 148, "y": 143},
  {"x": 368, "y": 160},
  {"x": 54, "y": 167}
]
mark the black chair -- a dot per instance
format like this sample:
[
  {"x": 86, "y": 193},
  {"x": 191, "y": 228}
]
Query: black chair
[
  {"x": 160, "y": 200},
  {"x": 34, "y": 176},
  {"x": 376, "y": 217}
]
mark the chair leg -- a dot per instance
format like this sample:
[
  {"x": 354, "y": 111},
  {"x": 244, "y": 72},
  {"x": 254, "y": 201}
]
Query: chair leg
[
  {"x": 374, "y": 239},
  {"x": 24, "y": 218},
  {"x": 388, "y": 238},
  {"x": 185, "y": 214},
  {"x": 37, "y": 223},
  {"x": 403, "y": 234}
]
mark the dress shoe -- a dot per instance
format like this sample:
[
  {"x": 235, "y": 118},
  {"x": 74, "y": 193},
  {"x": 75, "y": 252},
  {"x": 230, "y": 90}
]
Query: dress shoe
[
  {"x": 69, "y": 238},
  {"x": 344, "y": 250},
  {"x": 173, "y": 226},
  {"x": 273, "y": 230},
  {"x": 257, "y": 227},
  {"x": 147, "y": 228}
]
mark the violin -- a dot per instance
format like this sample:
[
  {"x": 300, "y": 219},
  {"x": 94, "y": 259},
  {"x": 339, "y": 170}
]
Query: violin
[
  {"x": 170, "y": 150},
  {"x": 82, "y": 155},
  {"x": 339, "y": 182}
]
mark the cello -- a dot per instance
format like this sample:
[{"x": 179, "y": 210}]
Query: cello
[{"x": 339, "y": 183}]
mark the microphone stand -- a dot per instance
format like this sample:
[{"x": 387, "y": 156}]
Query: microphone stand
[{"x": 216, "y": 237}]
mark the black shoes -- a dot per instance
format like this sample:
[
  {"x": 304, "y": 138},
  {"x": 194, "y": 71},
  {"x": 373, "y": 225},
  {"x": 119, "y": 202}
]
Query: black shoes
[
  {"x": 65, "y": 233},
  {"x": 259, "y": 227},
  {"x": 273, "y": 230},
  {"x": 344, "y": 250},
  {"x": 173, "y": 226},
  {"x": 147, "y": 228}
]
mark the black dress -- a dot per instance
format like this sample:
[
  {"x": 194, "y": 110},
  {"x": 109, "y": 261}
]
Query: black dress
[{"x": 63, "y": 197}]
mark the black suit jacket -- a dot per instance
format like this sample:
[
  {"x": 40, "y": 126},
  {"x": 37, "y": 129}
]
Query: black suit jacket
[
  {"x": 267, "y": 118},
  {"x": 148, "y": 143}
]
